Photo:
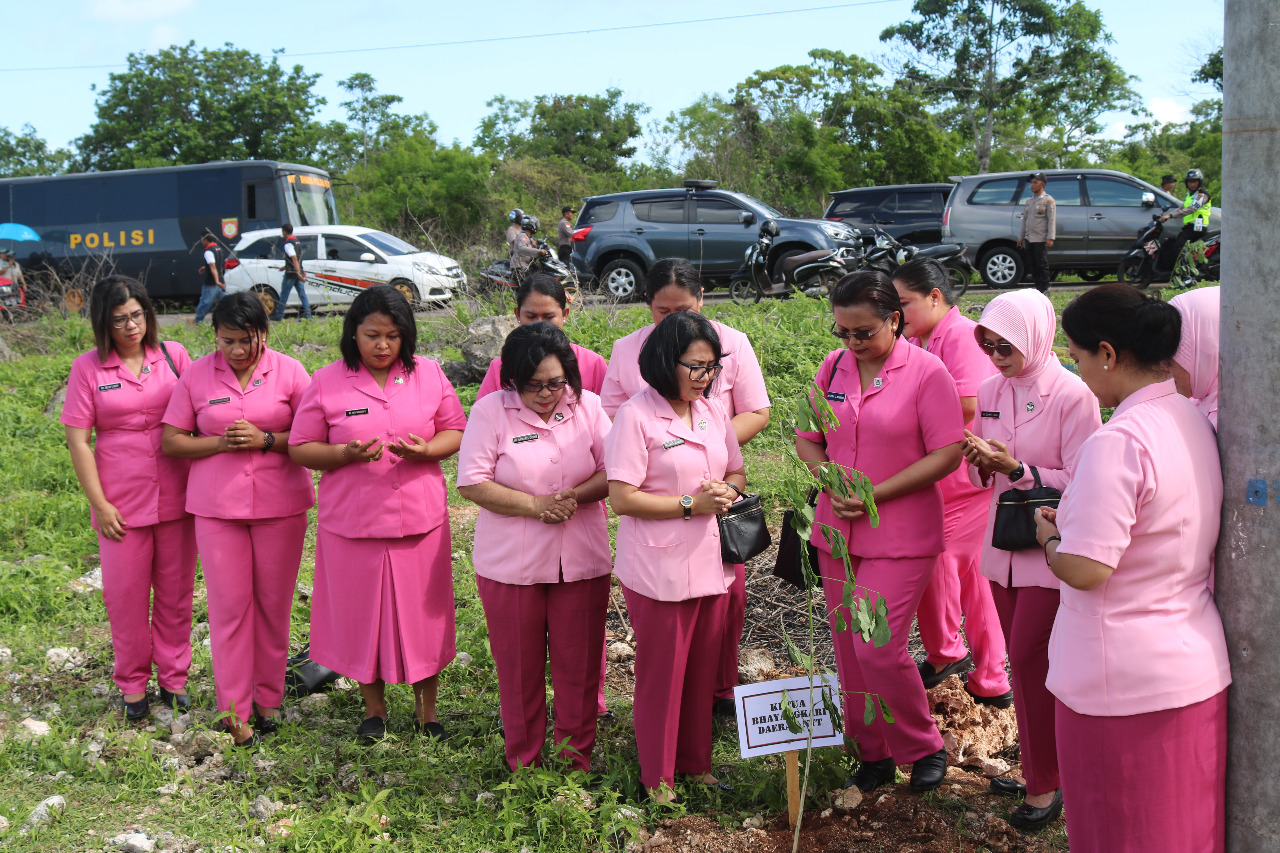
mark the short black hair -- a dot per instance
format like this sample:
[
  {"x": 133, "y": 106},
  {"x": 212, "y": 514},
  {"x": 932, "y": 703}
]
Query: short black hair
[
  {"x": 669, "y": 271},
  {"x": 668, "y": 342},
  {"x": 243, "y": 312},
  {"x": 1143, "y": 327},
  {"x": 108, "y": 295},
  {"x": 287, "y": 228},
  {"x": 924, "y": 276},
  {"x": 379, "y": 299},
  {"x": 526, "y": 347},
  {"x": 872, "y": 289},
  {"x": 544, "y": 283},
  {"x": 567, "y": 209}
]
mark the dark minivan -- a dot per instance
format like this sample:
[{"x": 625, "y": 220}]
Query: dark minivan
[{"x": 910, "y": 213}]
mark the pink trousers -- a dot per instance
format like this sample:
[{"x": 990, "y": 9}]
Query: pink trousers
[
  {"x": 526, "y": 624},
  {"x": 677, "y": 653},
  {"x": 735, "y": 618},
  {"x": 250, "y": 571},
  {"x": 159, "y": 558},
  {"x": 1027, "y": 614},
  {"x": 887, "y": 673},
  {"x": 957, "y": 588},
  {"x": 1147, "y": 782}
]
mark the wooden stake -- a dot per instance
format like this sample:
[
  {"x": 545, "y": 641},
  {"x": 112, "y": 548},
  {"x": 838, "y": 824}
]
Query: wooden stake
[{"x": 793, "y": 786}]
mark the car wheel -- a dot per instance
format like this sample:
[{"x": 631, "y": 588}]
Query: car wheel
[
  {"x": 409, "y": 292},
  {"x": 743, "y": 292},
  {"x": 621, "y": 279},
  {"x": 1134, "y": 271},
  {"x": 1091, "y": 275},
  {"x": 959, "y": 277},
  {"x": 1001, "y": 267},
  {"x": 268, "y": 296}
]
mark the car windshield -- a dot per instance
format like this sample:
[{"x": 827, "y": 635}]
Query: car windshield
[
  {"x": 390, "y": 245},
  {"x": 769, "y": 211}
]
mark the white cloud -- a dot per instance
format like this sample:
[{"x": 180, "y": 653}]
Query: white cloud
[
  {"x": 133, "y": 11},
  {"x": 1167, "y": 110},
  {"x": 164, "y": 35}
]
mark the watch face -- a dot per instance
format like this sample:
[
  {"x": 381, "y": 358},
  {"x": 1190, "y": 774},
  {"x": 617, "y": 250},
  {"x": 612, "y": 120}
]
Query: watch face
[{"x": 686, "y": 501}]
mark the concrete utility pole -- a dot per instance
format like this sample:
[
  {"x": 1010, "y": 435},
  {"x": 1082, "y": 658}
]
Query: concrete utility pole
[{"x": 1248, "y": 567}]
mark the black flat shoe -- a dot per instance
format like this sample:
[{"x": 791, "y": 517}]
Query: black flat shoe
[
  {"x": 251, "y": 742},
  {"x": 872, "y": 774},
  {"x": 1004, "y": 700},
  {"x": 606, "y": 717},
  {"x": 433, "y": 729},
  {"x": 372, "y": 729},
  {"x": 136, "y": 711},
  {"x": 266, "y": 725},
  {"x": 1005, "y": 786},
  {"x": 1029, "y": 819},
  {"x": 725, "y": 708},
  {"x": 929, "y": 772},
  {"x": 933, "y": 677},
  {"x": 174, "y": 701}
]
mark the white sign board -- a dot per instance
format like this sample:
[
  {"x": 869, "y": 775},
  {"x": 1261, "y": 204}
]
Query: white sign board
[{"x": 762, "y": 730}]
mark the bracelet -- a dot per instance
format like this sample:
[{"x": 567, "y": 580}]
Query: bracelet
[
  {"x": 268, "y": 441},
  {"x": 345, "y": 460},
  {"x": 1046, "y": 547}
]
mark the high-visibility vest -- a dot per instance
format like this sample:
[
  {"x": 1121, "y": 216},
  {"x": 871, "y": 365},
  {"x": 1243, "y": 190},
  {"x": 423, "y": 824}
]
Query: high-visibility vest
[{"x": 1203, "y": 213}]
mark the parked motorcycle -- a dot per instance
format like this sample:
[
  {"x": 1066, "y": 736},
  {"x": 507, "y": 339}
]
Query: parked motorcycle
[
  {"x": 811, "y": 273},
  {"x": 499, "y": 273},
  {"x": 1151, "y": 258},
  {"x": 886, "y": 254}
]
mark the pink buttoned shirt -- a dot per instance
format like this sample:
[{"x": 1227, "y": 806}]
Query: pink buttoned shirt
[
  {"x": 1146, "y": 498},
  {"x": 590, "y": 364},
  {"x": 739, "y": 387},
  {"x": 910, "y": 410},
  {"x": 506, "y": 443},
  {"x": 671, "y": 559},
  {"x": 393, "y": 497},
  {"x": 244, "y": 483},
  {"x": 953, "y": 342},
  {"x": 126, "y": 413}
]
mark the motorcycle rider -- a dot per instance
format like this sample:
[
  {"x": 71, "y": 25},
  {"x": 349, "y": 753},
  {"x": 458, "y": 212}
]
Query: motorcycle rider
[
  {"x": 513, "y": 230},
  {"x": 524, "y": 250},
  {"x": 1195, "y": 212}
]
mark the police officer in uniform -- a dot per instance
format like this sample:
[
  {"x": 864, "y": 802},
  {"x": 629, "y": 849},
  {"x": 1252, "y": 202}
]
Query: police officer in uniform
[
  {"x": 1167, "y": 183},
  {"x": 1195, "y": 212},
  {"x": 1039, "y": 227}
]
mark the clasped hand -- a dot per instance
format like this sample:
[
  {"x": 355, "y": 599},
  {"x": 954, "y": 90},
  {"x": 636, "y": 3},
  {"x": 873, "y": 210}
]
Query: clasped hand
[
  {"x": 714, "y": 498},
  {"x": 987, "y": 456},
  {"x": 557, "y": 508},
  {"x": 846, "y": 509},
  {"x": 241, "y": 435}
]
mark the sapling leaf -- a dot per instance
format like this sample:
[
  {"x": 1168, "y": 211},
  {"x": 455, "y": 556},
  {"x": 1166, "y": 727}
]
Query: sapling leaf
[
  {"x": 789, "y": 716},
  {"x": 798, "y": 657},
  {"x": 868, "y": 710},
  {"x": 840, "y": 625},
  {"x": 881, "y": 631},
  {"x": 833, "y": 709},
  {"x": 885, "y": 710}
]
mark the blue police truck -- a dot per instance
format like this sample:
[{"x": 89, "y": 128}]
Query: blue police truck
[{"x": 147, "y": 223}]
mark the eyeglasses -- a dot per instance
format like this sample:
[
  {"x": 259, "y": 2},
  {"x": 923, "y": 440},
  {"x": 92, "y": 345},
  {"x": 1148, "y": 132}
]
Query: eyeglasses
[
  {"x": 1004, "y": 350},
  {"x": 701, "y": 371},
  {"x": 856, "y": 334},
  {"x": 119, "y": 321},
  {"x": 538, "y": 387}
]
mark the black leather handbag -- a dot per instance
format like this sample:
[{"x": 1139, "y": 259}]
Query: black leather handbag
[
  {"x": 743, "y": 533},
  {"x": 1015, "y": 526},
  {"x": 788, "y": 566}
]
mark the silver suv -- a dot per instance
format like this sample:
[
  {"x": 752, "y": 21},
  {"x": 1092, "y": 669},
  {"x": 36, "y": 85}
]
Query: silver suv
[{"x": 1100, "y": 213}]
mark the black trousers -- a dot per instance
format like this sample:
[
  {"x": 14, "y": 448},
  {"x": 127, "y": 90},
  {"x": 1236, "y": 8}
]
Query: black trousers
[
  {"x": 1037, "y": 255},
  {"x": 1186, "y": 235},
  {"x": 564, "y": 252}
]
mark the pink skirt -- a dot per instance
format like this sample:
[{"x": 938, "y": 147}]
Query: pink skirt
[
  {"x": 383, "y": 608},
  {"x": 1147, "y": 782}
]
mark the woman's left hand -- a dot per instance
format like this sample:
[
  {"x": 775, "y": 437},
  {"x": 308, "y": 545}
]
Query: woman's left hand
[
  {"x": 847, "y": 510},
  {"x": 1046, "y": 524},
  {"x": 415, "y": 448},
  {"x": 242, "y": 435}
]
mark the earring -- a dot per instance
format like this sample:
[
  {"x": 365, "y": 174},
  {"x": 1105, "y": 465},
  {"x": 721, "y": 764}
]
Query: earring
[{"x": 1106, "y": 367}]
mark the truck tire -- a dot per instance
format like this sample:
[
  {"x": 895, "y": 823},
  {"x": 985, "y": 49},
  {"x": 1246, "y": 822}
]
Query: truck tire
[
  {"x": 622, "y": 279},
  {"x": 1001, "y": 267}
]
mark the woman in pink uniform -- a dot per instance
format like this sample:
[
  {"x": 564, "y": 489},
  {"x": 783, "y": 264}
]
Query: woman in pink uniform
[
  {"x": 378, "y": 423},
  {"x": 957, "y": 586},
  {"x": 1035, "y": 414},
  {"x": 672, "y": 286},
  {"x": 674, "y": 464},
  {"x": 540, "y": 298},
  {"x": 533, "y": 458},
  {"x": 117, "y": 394},
  {"x": 231, "y": 415},
  {"x": 1195, "y": 364},
  {"x": 1138, "y": 660},
  {"x": 901, "y": 426}
]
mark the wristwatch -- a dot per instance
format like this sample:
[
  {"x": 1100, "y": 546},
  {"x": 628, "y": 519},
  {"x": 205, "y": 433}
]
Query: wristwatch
[
  {"x": 686, "y": 501},
  {"x": 268, "y": 440},
  {"x": 1016, "y": 474}
]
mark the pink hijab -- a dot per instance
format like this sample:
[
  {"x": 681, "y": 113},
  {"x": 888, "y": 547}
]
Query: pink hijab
[
  {"x": 1026, "y": 319},
  {"x": 1198, "y": 350}
]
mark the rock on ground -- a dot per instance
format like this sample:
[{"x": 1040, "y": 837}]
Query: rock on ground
[
  {"x": 457, "y": 372},
  {"x": 47, "y": 810},
  {"x": 970, "y": 732},
  {"x": 263, "y": 808},
  {"x": 88, "y": 582},
  {"x": 56, "y": 402},
  {"x": 64, "y": 658},
  {"x": 619, "y": 652},
  {"x": 4, "y": 823},
  {"x": 847, "y": 800},
  {"x": 755, "y": 665},
  {"x": 484, "y": 342},
  {"x": 35, "y": 728},
  {"x": 134, "y": 842}
]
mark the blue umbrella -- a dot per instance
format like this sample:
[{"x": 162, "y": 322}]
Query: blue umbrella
[{"x": 14, "y": 231}]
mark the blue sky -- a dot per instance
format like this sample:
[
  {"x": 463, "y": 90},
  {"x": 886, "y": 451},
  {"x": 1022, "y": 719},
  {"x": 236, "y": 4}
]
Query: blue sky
[{"x": 665, "y": 67}]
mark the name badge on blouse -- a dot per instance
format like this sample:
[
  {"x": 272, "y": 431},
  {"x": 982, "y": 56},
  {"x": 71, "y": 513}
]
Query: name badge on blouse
[
  {"x": 675, "y": 442},
  {"x": 521, "y": 439},
  {"x": 354, "y": 412},
  {"x": 112, "y": 387},
  {"x": 995, "y": 415},
  {"x": 835, "y": 397},
  {"x": 219, "y": 401}
]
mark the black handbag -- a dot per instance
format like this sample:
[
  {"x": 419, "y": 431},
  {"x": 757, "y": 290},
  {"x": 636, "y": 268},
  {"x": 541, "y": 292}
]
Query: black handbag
[
  {"x": 304, "y": 676},
  {"x": 1014, "y": 528},
  {"x": 743, "y": 533},
  {"x": 789, "y": 566}
]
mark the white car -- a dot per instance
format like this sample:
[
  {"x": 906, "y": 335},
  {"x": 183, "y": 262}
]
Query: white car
[{"x": 340, "y": 261}]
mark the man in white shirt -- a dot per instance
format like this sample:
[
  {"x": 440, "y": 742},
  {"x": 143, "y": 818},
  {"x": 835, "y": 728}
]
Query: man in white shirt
[
  {"x": 294, "y": 276},
  {"x": 213, "y": 287}
]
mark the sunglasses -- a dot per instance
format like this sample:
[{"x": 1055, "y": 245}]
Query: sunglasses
[
  {"x": 857, "y": 334},
  {"x": 1004, "y": 350},
  {"x": 537, "y": 387}
]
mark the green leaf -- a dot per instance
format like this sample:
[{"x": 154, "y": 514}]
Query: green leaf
[
  {"x": 884, "y": 709},
  {"x": 840, "y": 625},
  {"x": 789, "y": 716},
  {"x": 868, "y": 710},
  {"x": 880, "y": 631}
]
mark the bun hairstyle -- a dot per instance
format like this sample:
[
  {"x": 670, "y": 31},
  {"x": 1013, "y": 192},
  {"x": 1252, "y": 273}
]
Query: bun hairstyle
[
  {"x": 1142, "y": 327},
  {"x": 924, "y": 276},
  {"x": 872, "y": 289},
  {"x": 669, "y": 271}
]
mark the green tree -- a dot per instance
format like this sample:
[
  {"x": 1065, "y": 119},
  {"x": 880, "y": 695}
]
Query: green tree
[
  {"x": 997, "y": 64},
  {"x": 370, "y": 112},
  {"x": 187, "y": 105},
  {"x": 591, "y": 131},
  {"x": 25, "y": 153}
]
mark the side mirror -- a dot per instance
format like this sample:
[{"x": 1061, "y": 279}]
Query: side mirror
[
  {"x": 746, "y": 217},
  {"x": 1148, "y": 199},
  {"x": 368, "y": 257}
]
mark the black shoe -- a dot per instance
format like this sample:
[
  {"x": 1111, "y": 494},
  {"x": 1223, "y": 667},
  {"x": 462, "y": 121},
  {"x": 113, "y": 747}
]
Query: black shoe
[
  {"x": 929, "y": 772},
  {"x": 1004, "y": 700},
  {"x": 372, "y": 729},
  {"x": 1028, "y": 818},
  {"x": 1005, "y": 786},
  {"x": 136, "y": 711},
  {"x": 932, "y": 678},
  {"x": 606, "y": 717},
  {"x": 725, "y": 708},
  {"x": 251, "y": 742},
  {"x": 266, "y": 725},
  {"x": 174, "y": 701},
  {"x": 872, "y": 774},
  {"x": 432, "y": 729}
]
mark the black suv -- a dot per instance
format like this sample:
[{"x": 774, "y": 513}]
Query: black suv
[
  {"x": 619, "y": 236},
  {"x": 911, "y": 213}
]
